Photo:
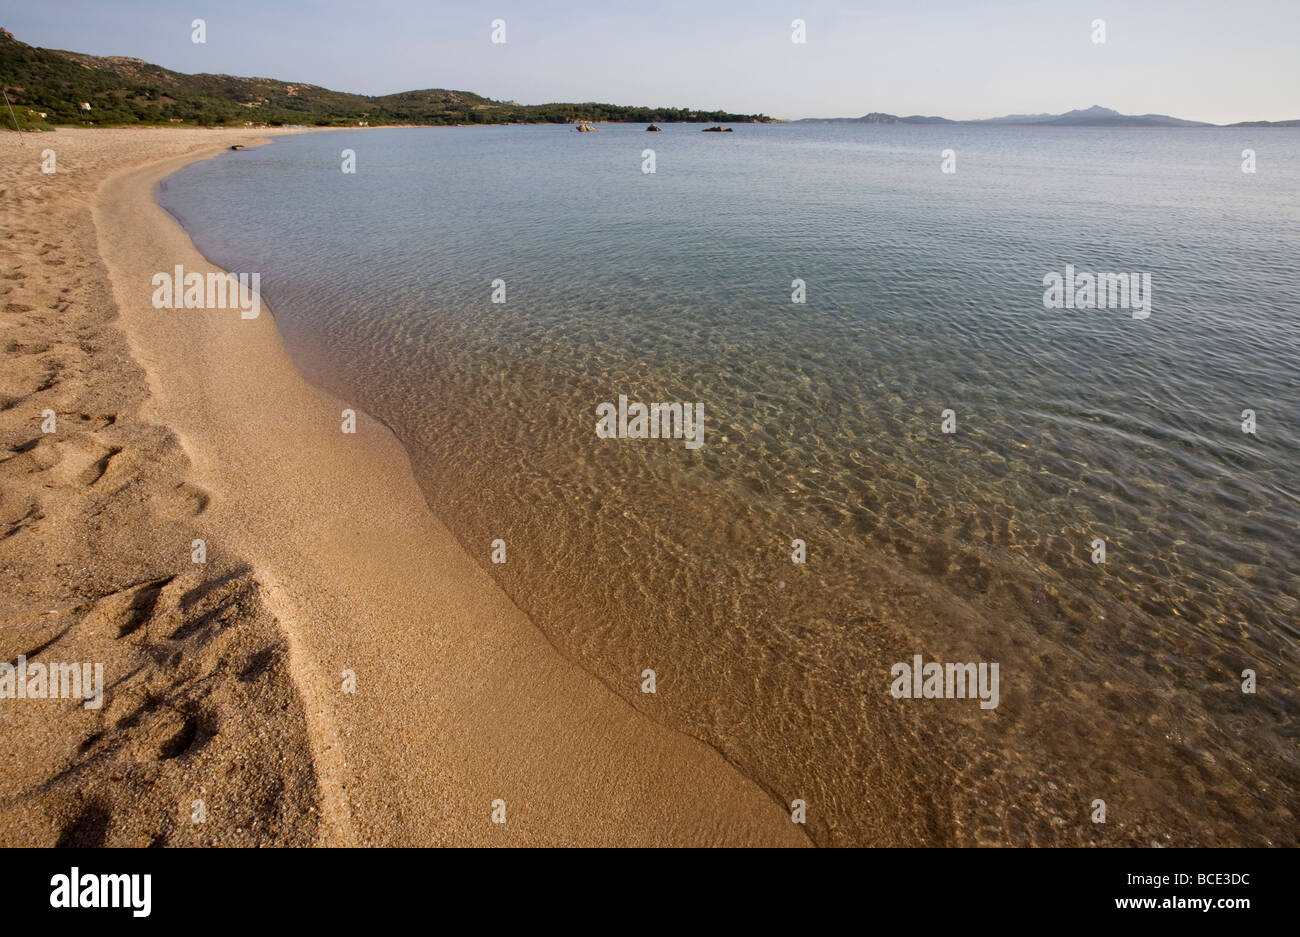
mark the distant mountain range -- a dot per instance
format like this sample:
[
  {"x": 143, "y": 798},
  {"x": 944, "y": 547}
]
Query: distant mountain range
[
  {"x": 47, "y": 87},
  {"x": 1095, "y": 116}
]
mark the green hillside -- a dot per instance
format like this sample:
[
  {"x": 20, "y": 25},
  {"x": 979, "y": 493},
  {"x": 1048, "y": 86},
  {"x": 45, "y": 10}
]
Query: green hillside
[{"x": 130, "y": 91}]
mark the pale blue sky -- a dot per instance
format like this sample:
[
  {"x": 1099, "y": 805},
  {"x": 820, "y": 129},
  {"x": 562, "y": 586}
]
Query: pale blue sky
[{"x": 1216, "y": 61}]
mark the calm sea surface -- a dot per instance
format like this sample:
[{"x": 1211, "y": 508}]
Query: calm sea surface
[{"x": 822, "y": 422}]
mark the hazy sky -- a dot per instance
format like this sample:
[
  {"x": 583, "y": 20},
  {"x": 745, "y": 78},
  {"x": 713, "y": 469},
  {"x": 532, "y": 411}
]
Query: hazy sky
[{"x": 1215, "y": 61}]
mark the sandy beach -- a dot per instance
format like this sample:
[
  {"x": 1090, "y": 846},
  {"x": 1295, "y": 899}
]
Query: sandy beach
[{"x": 338, "y": 671}]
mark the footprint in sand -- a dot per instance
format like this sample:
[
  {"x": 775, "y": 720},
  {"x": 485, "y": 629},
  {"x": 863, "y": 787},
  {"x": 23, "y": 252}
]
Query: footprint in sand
[{"x": 79, "y": 462}]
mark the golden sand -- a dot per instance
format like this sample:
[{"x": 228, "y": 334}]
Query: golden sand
[{"x": 225, "y": 680}]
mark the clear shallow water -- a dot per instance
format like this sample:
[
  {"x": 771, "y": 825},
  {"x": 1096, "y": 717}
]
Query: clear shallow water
[{"x": 822, "y": 422}]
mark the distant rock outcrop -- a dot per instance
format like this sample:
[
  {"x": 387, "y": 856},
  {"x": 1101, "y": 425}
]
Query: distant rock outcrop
[
  {"x": 717, "y": 130},
  {"x": 586, "y": 128},
  {"x": 653, "y": 128},
  {"x": 1259, "y": 123}
]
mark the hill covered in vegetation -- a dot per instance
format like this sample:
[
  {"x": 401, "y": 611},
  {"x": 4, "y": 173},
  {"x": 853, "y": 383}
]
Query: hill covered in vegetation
[{"x": 47, "y": 86}]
